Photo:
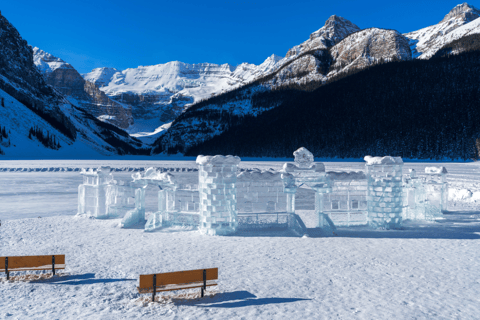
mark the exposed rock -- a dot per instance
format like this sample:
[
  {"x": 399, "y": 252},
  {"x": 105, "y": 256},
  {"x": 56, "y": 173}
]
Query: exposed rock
[
  {"x": 335, "y": 30},
  {"x": 367, "y": 47},
  {"x": 463, "y": 12},
  {"x": 84, "y": 94},
  {"x": 28, "y": 102}
]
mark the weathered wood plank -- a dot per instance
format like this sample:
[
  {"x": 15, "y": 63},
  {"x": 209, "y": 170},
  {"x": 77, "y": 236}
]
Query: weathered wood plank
[
  {"x": 21, "y": 263},
  {"x": 180, "y": 277},
  {"x": 175, "y": 287}
]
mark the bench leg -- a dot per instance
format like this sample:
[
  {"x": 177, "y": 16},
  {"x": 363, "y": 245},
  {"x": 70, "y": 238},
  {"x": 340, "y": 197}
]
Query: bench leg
[
  {"x": 204, "y": 288},
  {"x": 154, "y": 287},
  {"x": 6, "y": 268},
  {"x": 53, "y": 265}
]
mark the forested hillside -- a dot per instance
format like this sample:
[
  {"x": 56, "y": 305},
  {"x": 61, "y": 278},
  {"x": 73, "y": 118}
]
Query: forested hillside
[{"x": 413, "y": 109}]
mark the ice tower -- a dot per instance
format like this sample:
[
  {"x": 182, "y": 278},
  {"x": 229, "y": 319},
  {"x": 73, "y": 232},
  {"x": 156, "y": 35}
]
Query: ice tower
[
  {"x": 218, "y": 194},
  {"x": 93, "y": 195},
  {"x": 385, "y": 191}
]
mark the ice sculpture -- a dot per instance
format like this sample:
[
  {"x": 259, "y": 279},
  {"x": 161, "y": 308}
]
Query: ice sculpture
[
  {"x": 436, "y": 187},
  {"x": 414, "y": 199},
  {"x": 217, "y": 178},
  {"x": 260, "y": 191},
  {"x": 385, "y": 191},
  {"x": 346, "y": 205},
  {"x": 165, "y": 182},
  {"x": 313, "y": 175},
  {"x": 93, "y": 194},
  {"x": 136, "y": 215}
]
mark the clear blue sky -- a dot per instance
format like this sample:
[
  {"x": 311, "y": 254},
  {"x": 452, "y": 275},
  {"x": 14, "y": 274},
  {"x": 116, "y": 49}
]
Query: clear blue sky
[{"x": 125, "y": 34}]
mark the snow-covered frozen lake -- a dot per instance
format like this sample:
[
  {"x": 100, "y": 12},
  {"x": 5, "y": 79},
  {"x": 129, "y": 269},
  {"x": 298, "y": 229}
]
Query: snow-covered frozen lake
[{"x": 426, "y": 271}]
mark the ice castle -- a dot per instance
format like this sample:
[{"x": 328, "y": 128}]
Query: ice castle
[{"x": 227, "y": 200}]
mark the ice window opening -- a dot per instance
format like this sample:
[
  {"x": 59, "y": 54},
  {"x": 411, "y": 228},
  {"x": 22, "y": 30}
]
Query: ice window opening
[
  {"x": 335, "y": 205},
  {"x": 354, "y": 204}
]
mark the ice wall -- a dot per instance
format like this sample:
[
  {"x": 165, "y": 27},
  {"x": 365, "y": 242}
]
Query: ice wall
[
  {"x": 260, "y": 191},
  {"x": 346, "y": 205},
  {"x": 385, "y": 191},
  {"x": 218, "y": 202},
  {"x": 425, "y": 197}
]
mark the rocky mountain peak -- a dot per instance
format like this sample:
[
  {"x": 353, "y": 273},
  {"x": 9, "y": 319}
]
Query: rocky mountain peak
[
  {"x": 47, "y": 63},
  {"x": 463, "y": 12},
  {"x": 335, "y": 30}
]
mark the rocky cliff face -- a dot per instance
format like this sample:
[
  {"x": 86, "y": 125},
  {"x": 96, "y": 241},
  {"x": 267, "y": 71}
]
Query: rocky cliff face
[
  {"x": 84, "y": 94},
  {"x": 335, "y": 30},
  {"x": 367, "y": 47},
  {"x": 427, "y": 41},
  {"x": 28, "y": 102}
]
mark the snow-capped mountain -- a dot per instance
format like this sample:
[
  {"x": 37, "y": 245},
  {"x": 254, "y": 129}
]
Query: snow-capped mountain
[
  {"x": 459, "y": 22},
  {"x": 161, "y": 92},
  {"x": 306, "y": 71},
  {"x": 38, "y": 121},
  {"x": 84, "y": 94}
]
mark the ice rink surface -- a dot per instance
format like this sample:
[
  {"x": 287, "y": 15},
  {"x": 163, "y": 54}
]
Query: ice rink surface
[{"x": 428, "y": 270}]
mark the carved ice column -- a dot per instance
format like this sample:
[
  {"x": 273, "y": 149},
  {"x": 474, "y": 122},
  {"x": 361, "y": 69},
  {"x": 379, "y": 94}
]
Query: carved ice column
[
  {"x": 290, "y": 189},
  {"x": 385, "y": 191},
  {"x": 218, "y": 195}
]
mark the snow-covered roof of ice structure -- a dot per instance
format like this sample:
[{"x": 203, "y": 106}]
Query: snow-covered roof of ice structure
[
  {"x": 219, "y": 159},
  {"x": 346, "y": 176},
  {"x": 259, "y": 175},
  {"x": 436, "y": 170},
  {"x": 387, "y": 160},
  {"x": 152, "y": 174},
  {"x": 104, "y": 170}
]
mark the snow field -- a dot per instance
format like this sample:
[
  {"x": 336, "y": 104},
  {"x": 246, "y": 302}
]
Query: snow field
[{"x": 425, "y": 271}]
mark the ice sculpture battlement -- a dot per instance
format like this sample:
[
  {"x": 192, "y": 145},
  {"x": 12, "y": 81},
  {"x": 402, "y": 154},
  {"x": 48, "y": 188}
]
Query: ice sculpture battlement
[
  {"x": 100, "y": 176},
  {"x": 217, "y": 177}
]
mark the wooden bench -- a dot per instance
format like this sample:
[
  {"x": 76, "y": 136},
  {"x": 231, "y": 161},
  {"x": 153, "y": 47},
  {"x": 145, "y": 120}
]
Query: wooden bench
[
  {"x": 23, "y": 263},
  {"x": 153, "y": 283}
]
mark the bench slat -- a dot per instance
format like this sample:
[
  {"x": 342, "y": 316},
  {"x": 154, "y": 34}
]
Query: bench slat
[
  {"x": 17, "y": 263},
  {"x": 180, "y": 277},
  {"x": 176, "y": 287},
  {"x": 47, "y": 267}
]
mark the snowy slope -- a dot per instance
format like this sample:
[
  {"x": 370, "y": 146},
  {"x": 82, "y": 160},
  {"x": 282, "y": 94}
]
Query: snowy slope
[
  {"x": 28, "y": 102},
  {"x": 427, "y": 41}
]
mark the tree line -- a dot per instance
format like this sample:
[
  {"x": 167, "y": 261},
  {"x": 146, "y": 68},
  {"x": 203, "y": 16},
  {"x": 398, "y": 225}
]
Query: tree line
[{"x": 414, "y": 109}]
